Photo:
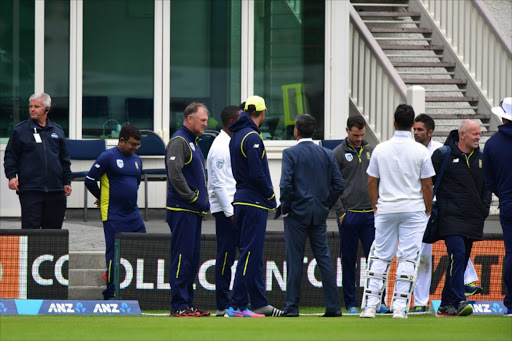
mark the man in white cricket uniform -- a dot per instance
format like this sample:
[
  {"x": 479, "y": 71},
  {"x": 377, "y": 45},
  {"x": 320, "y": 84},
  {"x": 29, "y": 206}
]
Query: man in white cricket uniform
[
  {"x": 424, "y": 127},
  {"x": 400, "y": 189},
  {"x": 221, "y": 189}
]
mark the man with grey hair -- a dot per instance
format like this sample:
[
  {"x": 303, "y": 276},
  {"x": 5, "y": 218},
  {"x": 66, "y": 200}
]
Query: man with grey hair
[
  {"x": 463, "y": 204},
  {"x": 37, "y": 165}
]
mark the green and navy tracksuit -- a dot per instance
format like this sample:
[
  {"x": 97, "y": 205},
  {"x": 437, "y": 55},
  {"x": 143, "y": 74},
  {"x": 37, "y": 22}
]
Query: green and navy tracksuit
[
  {"x": 187, "y": 203},
  {"x": 254, "y": 197},
  {"x": 119, "y": 175},
  {"x": 355, "y": 207}
]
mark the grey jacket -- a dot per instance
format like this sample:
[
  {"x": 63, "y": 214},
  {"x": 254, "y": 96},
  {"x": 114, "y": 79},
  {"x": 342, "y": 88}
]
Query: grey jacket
[{"x": 353, "y": 170}]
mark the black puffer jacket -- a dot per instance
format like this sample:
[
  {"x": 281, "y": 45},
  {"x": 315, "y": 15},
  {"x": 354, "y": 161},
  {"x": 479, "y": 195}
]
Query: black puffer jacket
[{"x": 462, "y": 199}]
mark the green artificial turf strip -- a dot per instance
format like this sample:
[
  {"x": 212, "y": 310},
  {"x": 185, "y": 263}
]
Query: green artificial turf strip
[{"x": 422, "y": 327}]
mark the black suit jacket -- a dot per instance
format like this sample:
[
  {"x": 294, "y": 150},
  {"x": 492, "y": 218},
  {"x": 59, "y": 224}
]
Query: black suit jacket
[{"x": 310, "y": 182}]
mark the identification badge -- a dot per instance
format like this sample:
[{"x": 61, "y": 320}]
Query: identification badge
[{"x": 37, "y": 137}]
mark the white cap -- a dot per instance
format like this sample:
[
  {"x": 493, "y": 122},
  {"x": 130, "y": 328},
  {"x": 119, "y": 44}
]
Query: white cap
[{"x": 505, "y": 109}]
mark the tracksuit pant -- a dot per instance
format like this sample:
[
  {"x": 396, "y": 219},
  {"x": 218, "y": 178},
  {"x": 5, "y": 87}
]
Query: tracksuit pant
[
  {"x": 355, "y": 226},
  {"x": 110, "y": 229},
  {"x": 506, "y": 224},
  {"x": 185, "y": 253},
  {"x": 226, "y": 251},
  {"x": 295, "y": 234},
  {"x": 251, "y": 223},
  {"x": 44, "y": 210},
  {"x": 459, "y": 250}
]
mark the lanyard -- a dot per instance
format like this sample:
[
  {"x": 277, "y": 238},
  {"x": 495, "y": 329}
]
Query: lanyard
[
  {"x": 358, "y": 154},
  {"x": 468, "y": 157}
]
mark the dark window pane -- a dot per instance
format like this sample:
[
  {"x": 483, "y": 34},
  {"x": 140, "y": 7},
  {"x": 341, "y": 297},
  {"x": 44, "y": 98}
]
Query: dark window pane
[
  {"x": 289, "y": 63},
  {"x": 118, "y": 59},
  {"x": 16, "y": 62}
]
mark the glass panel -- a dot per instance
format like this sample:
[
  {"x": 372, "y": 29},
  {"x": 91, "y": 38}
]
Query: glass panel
[
  {"x": 16, "y": 62},
  {"x": 289, "y": 63},
  {"x": 118, "y": 58},
  {"x": 56, "y": 60},
  {"x": 205, "y": 57}
]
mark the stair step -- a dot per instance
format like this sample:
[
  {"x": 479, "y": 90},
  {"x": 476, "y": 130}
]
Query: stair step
[
  {"x": 86, "y": 292},
  {"x": 423, "y": 64},
  {"x": 400, "y": 30},
  {"x": 413, "y": 56},
  {"x": 451, "y": 108},
  {"x": 423, "y": 72},
  {"x": 402, "y": 39},
  {"x": 413, "y": 47},
  {"x": 444, "y": 90},
  {"x": 440, "y": 116},
  {"x": 389, "y": 14},
  {"x": 391, "y": 22},
  {"x": 451, "y": 99},
  {"x": 434, "y": 81},
  {"x": 446, "y": 133},
  {"x": 378, "y": 5}
]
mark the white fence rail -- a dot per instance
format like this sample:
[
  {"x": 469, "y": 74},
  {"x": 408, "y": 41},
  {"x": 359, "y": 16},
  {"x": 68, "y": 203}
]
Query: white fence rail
[
  {"x": 483, "y": 48},
  {"x": 375, "y": 87}
]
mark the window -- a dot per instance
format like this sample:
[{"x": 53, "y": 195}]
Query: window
[
  {"x": 205, "y": 57},
  {"x": 118, "y": 60},
  {"x": 16, "y": 62},
  {"x": 56, "y": 60},
  {"x": 289, "y": 63}
]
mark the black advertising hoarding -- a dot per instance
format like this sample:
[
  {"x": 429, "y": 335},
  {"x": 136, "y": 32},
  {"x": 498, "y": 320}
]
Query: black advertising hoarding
[
  {"x": 144, "y": 270},
  {"x": 34, "y": 264}
]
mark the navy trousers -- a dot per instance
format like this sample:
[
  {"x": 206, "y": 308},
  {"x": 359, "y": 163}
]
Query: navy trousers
[
  {"x": 251, "y": 223},
  {"x": 459, "y": 250},
  {"x": 355, "y": 226},
  {"x": 506, "y": 224},
  {"x": 110, "y": 229},
  {"x": 185, "y": 252},
  {"x": 44, "y": 210},
  {"x": 295, "y": 234},
  {"x": 226, "y": 251}
]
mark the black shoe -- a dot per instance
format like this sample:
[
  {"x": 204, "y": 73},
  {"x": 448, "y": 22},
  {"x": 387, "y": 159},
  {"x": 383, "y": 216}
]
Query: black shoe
[
  {"x": 290, "y": 314},
  {"x": 332, "y": 314},
  {"x": 200, "y": 312},
  {"x": 447, "y": 310},
  {"x": 187, "y": 312},
  {"x": 464, "y": 309}
]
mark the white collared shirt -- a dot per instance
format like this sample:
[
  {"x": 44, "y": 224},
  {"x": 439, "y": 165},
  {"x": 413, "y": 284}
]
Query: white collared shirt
[
  {"x": 305, "y": 139},
  {"x": 400, "y": 163},
  {"x": 221, "y": 184}
]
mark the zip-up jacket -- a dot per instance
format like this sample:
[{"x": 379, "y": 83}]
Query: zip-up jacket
[
  {"x": 352, "y": 165},
  {"x": 463, "y": 200},
  {"x": 497, "y": 166},
  {"x": 186, "y": 189},
  {"x": 43, "y": 167},
  {"x": 250, "y": 166}
]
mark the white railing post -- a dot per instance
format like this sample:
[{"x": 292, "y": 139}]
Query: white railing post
[{"x": 416, "y": 98}]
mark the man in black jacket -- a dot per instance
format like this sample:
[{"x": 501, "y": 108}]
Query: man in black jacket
[
  {"x": 37, "y": 165},
  {"x": 463, "y": 203}
]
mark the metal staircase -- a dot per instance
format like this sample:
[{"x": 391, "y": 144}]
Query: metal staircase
[{"x": 410, "y": 48}]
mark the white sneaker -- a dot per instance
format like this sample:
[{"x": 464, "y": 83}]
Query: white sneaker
[
  {"x": 399, "y": 314},
  {"x": 368, "y": 313}
]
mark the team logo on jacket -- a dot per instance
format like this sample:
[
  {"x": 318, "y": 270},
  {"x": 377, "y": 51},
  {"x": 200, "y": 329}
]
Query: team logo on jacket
[
  {"x": 480, "y": 163},
  {"x": 120, "y": 163},
  {"x": 55, "y": 136},
  {"x": 192, "y": 146},
  {"x": 136, "y": 165},
  {"x": 220, "y": 164},
  {"x": 349, "y": 157},
  {"x": 368, "y": 155}
]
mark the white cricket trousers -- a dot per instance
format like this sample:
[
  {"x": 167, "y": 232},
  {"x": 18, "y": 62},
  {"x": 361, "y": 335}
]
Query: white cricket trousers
[
  {"x": 422, "y": 288},
  {"x": 402, "y": 230}
]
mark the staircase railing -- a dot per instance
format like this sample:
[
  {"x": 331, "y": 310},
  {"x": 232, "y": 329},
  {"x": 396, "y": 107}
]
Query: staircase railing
[
  {"x": 376, "y": 89},
  {"x": 484, "y": 50}
]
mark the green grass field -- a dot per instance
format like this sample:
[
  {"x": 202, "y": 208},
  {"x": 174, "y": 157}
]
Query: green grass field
[{"x": 416, "y": 327}]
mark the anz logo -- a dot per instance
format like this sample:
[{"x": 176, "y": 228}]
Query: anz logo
[
  {"x": 486, "y": 308},
  {"x": 106, "y": 308},
  {"x": 61, "y": 308}
]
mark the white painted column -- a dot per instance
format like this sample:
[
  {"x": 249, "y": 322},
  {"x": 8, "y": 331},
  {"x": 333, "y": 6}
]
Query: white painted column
[
  {"x": 39, "y": 46},
  {"x": 337, "y": 42},
  {"x": 75, "y": 68},
  {"x": 247, "y": 50},
  {"x": 416, "y": 98}
]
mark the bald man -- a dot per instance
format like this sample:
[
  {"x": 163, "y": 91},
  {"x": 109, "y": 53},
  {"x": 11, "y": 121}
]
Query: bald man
[{"x": 463, "y": 203}]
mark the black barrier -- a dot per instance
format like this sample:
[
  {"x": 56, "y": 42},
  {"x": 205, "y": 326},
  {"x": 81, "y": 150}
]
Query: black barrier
[
  {"x": 34, "y": 264},
  {"x": 144, "y": 270}
]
